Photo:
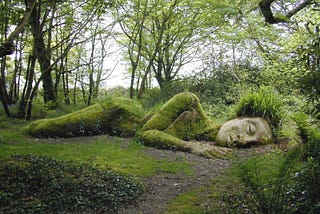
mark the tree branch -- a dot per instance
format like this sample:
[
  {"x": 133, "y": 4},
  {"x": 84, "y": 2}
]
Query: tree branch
[
  {"x": 7, "y": 47},
  {"x": 265, "y": 7}
]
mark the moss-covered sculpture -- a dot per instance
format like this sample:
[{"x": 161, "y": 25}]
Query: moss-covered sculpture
[
  {"x": 116, "y": 116},
  {"x": 178, "y": 123},
  {"x": 181, "y": 124}
]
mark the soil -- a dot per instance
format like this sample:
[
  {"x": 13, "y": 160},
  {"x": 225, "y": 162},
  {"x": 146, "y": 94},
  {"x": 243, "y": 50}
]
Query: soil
[{"x": 162, "y": 187}]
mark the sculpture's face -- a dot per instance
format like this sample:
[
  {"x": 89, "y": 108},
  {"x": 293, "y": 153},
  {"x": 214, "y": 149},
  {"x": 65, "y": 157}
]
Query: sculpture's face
[{"x": 244, "y": 132}]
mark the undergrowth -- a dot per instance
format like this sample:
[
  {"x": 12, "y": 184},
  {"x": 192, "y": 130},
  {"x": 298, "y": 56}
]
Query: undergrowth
[{"x": 38, "y": 184}]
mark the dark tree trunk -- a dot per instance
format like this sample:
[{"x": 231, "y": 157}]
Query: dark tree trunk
[
  {"x": 43, "y": 55},
  {"x": 27, "y": 87}
]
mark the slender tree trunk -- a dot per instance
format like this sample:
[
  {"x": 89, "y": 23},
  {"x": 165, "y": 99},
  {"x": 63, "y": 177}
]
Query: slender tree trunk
[
  {"x": 75, "y": 88},
  {"x": 65, "y": 82},
  {"x": 27, "y": 87},
  {"x": 13, "y": 84}
]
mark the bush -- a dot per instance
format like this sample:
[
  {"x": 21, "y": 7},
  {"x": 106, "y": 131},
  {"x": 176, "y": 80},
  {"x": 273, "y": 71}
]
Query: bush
[
  {"x": 35, "y": 184},
  {"x": 265, "y": 103},
  {"x": 305, "y": 193},
  {"x": 269, "y": 178},
  {"x": 155, "y": 96}
]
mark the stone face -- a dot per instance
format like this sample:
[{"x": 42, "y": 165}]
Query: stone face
[{"x": 244, "y": 132}]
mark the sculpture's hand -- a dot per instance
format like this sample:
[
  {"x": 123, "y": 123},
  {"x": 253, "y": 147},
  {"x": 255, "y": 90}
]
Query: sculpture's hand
[{"x": 209, "y": 151}]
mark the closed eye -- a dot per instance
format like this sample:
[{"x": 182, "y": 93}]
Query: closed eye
[{"x": 251, "y": 129}]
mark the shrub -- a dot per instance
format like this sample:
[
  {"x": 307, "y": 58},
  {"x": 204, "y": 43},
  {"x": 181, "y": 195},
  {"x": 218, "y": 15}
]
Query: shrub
[
  {"x": 30, "y": 184},
  {"x": 265, "y": 103},
  {"x": 269, "y": 178},
  {"x": 155, "y": 96},
  {"x": 305, "y": 193}
]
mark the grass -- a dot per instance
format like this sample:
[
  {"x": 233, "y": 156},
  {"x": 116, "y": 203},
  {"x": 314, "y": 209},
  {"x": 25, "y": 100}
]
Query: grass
[
  {"x": 101, "y": 153},
  {"x": 225, "y": 194},
  {"x": 264, "y": 103}
]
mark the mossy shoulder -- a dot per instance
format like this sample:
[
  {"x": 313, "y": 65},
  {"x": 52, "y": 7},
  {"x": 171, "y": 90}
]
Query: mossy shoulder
[
  {"x": 171, "y": 110},
  {"x": 115, "y": 116}
]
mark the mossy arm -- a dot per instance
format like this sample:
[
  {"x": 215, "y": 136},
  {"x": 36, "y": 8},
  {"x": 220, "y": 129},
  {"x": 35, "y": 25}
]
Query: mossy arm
[
  {"x": 162, "y": 140},
  {"x": 116, "y": 116}
]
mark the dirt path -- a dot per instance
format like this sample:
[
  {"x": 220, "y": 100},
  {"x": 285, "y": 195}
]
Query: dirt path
[{"x": 164, "y": 187}]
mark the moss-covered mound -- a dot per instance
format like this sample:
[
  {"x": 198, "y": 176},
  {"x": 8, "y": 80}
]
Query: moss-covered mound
[
  {"x": 116, "y": 116},
  {"x": 35, "y": 184}
]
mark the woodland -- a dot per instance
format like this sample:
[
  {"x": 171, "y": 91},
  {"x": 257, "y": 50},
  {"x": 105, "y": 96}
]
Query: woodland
[{"x": 240, "y": 58}]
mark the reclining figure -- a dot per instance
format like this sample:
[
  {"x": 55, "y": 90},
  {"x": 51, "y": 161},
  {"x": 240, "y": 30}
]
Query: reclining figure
[{"x": 180, "y": 124}]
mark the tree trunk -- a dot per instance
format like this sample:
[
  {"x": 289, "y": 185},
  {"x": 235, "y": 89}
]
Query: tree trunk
[
  {"x": 27, "y": 87},
  {"x": 43, "y": 55}
]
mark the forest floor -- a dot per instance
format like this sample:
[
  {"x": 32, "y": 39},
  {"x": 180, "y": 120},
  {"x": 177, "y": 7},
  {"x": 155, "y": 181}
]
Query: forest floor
[{"x": 163, "y": 187}]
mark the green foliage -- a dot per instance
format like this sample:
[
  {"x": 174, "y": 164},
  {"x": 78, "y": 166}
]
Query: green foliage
[
  {"x": 42, "y": 184},
  {"x": 265, "y": 103},
  {"x": 305, "y": 193},
  {"x": 217, "y": 111},
  {"x": 118, "y": 91},
  {"x": 309, "y": 84},
  {"x": 269, "y": 177},
  {"x": 156, "y": 96}
]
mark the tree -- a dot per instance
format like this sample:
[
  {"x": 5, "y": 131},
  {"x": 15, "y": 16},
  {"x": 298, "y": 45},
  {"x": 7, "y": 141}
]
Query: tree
[
  {"x": 42, "y": 42},
  {"x": 158, "y": 36}
]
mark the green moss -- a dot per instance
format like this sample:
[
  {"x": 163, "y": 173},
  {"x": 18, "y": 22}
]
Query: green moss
[
  {"x": 183, "y": 117},
  {"x": 171, "y": 110},
  {"x": 117, "y": 116},
  {"x": 289, "y": 133},
  {"x": 162, "y": 140}
]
